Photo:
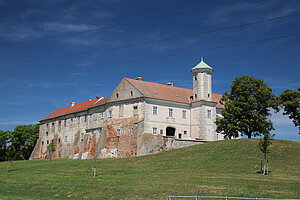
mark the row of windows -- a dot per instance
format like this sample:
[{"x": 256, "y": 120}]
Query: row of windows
[
  {"x": 170, "y": 112},
  {"x": 131, "y": 94},
  {"x": 101, "y": 116},
  {"x": 154, "y": 112}
]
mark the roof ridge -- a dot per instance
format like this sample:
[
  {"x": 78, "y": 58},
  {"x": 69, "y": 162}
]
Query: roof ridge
[{"x": 158, "y": 84}]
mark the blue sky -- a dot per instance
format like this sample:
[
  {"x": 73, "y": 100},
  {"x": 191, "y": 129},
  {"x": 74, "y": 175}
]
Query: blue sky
[{"x": 31, "y": 90}]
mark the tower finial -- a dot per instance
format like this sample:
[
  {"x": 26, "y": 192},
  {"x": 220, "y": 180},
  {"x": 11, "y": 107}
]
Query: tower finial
[{"x": 201, "y": 58}]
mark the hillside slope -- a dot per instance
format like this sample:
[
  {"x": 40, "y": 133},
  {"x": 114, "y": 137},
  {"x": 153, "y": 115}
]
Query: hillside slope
[{"x": 226, "y": 168}]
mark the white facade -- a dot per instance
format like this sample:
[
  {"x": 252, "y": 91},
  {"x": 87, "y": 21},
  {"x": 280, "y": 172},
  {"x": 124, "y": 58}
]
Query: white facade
[{"x": 137, "y": 119}]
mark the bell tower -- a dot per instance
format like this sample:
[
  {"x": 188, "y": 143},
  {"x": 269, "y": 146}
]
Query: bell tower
[{"x": 202, "y": 81}]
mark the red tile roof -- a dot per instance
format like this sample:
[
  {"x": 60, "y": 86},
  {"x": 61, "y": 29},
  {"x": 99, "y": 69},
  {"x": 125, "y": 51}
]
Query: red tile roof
[
  {"x": 76, "y": 108},
  {"x": 149, "y": 89},
  {"x": 166, "y": 92},
  {"x": 101, "y": 102},
  {"x": 161, "y": 91}
]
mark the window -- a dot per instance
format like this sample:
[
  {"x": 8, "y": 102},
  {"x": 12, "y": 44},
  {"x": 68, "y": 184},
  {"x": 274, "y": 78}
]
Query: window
[
  {"x": 53, "y": 128},
  {"x": 209, "y": 113},
  {"x": 195, "y": 96},
  {"x": 154, "y": 131},
  {"x": 42, "y": 143},
  {"x": 82, "y": 136},
  {"x": 131, "y": 93},
  {"x": 195, "y": 78},
  {"x": 101, "y": 115},
  {"x": 135, "y": 110},
  {"x": 179, "y": 136},
  {"x": 91, "y": 117},
  {"x": 208, "y": 95},
  {"x": 118, "y": 132},
  {"x": 110, "y": 113},
  {"x": 154, "y": 111},
  {"x": 78, "y": 120},
  {"x": 184, "y": 132},
  {"x": 47, "y": 141},
  {"x": 184, "y": 114},
  {"x": 170, "y": 112},
  {"x": 65, "y": 122},
  {"x": 46, "y": 133},
  {"x": 85, "y": 118},
  {"x": 161, "y": 131},
  {"x": 66, "y": 138},
  {"x": 58, "y": 140},
  {"x": 117, "y": 95}
]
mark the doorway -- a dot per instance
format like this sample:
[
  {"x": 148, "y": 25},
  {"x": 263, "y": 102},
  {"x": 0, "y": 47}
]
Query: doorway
[{"x": 170, "y": 132}]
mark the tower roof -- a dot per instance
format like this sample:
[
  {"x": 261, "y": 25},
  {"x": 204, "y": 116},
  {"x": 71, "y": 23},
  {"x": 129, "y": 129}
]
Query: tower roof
[{"x": 202, "y": 65}]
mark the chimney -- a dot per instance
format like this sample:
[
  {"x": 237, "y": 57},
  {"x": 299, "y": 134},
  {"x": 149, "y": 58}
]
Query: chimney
[
  {"x": 170, "y": 83},
  {"x": 138, "y": 78},
  {"x": 72, "y": 103}
]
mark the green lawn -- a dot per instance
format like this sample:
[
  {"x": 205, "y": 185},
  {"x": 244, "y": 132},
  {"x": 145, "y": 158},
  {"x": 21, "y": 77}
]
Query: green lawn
[{"x": 225, "y": 168}]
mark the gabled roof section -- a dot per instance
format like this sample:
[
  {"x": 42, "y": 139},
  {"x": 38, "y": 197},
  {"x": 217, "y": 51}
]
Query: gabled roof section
[
  {"x": 161, "y": 91},
  {"x": 76, "y": 108},
  {"x": 166, "y": 92}
]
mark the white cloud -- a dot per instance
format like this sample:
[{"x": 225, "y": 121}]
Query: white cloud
[
  {"x": 17, "y": 122},
  {"x": 64, "y": 27},
  {"x": 280, "y": 119}
]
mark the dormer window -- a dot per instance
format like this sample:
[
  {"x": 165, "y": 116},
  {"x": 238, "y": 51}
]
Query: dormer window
[
  {"x": 117, "y": 94},
  {"x": 131, "y": 93}
]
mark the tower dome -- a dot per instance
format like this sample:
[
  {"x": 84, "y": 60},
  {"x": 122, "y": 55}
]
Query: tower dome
[{"x": 202, "y": 65}]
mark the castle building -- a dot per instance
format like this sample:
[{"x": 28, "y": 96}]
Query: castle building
[{"x": 139, "y": 118}]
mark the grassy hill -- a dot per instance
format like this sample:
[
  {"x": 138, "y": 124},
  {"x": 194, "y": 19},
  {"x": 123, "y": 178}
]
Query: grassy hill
[{"x": 226, "y": 168}]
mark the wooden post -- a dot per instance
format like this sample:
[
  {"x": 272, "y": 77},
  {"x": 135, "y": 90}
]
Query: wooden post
[{"x": 94, "y": 172}]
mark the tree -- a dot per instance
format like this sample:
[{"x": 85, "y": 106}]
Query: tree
[
  {"x": 264, "y": 144},
  {"x": 50, "y": 149},
  {"x": 247, "y": 108},
  {"x": 23, "y": 139},
  {"x": 4, "y": 142},
  {"x": 290, "y": 100}
]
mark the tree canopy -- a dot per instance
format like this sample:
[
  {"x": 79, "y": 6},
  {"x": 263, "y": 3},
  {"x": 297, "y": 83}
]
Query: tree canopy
[
  {"x": 4, "y": 140},
  {"x": 19, "y": 143},
  {"x": 290, "y": 100},
  {"x": 247, "y": 108}
]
